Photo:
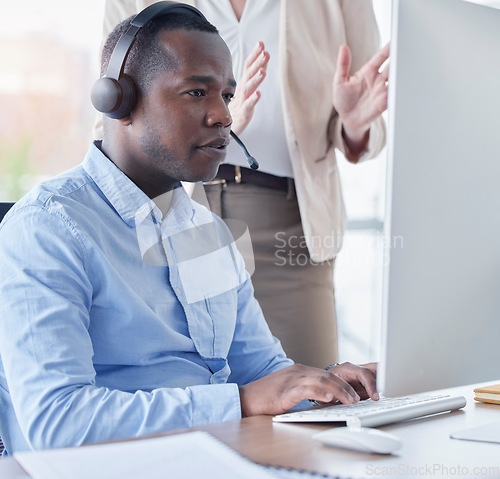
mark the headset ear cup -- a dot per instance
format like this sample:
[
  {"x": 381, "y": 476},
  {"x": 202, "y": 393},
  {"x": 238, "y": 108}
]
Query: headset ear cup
[
  {"x": 128, "y": 99},
  {"x": 114, "y": 98},
  {"x": 106, "y": 95}
]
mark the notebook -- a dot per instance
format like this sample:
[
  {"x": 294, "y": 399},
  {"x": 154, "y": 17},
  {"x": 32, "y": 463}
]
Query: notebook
[
  {"x": 489, "y": 394},
  {"x": 194, "y": 454},
  {"x": 188, "y": 455}
]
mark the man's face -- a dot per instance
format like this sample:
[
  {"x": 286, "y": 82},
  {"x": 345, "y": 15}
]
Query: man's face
[{"x": 180, "y": 127}]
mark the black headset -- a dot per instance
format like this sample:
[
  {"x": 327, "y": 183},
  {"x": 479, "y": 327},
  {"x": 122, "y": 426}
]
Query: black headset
[{"x": 115, "y": 94}]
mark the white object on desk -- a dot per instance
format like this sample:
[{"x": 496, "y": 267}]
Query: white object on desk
[
  {"x": 370, "y": 413},
  {"x": 485, "y": 433},
  {"x": 362, "y": 439},
  {"x": 194, "y": 454}
]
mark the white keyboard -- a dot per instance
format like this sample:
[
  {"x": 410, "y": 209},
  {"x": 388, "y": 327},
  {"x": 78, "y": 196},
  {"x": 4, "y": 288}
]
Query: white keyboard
[{"x": 377, "y": 413}]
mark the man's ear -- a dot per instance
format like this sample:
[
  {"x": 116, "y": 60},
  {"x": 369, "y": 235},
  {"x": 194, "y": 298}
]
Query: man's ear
[{"x": 125, "y": 121}]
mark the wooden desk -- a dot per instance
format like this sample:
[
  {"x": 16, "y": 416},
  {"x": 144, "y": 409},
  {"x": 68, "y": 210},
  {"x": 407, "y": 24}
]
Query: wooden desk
[{"x": 427, "y": 448}]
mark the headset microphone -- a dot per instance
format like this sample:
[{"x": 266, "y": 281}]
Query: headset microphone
[{"x": 253, "y": 163}]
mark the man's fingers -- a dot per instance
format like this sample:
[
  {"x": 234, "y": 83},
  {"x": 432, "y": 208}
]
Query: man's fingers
[
  {"x": 325, "y": 387},
  {"x": 340, "y": 388},
  {"x": 280, "y": 391},
  {"x": 371, "y": 366},
  {"x": 369, "y": 382},
  {"x": 364, "y": 375}
]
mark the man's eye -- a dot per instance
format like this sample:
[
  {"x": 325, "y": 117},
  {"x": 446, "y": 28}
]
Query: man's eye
[
  {"x": 228, "y": 97},
  {"x": 196, "y": 93}
]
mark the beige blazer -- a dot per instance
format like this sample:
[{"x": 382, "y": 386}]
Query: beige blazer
[{"x": 311, "y": 33}]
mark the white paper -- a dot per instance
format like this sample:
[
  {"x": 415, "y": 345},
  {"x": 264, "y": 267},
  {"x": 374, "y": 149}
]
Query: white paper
[
  {"x": 484, "y": 433},
  {"x": 189, "y": 455}
]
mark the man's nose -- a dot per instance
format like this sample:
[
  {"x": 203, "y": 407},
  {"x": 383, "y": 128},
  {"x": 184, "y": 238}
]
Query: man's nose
[{"x": 219, "y": 114}]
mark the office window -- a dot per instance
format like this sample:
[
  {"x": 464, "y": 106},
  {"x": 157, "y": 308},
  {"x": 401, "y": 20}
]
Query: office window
[
  {"x": 49, "y": 54},
  {"x": 358, "y": 269}
]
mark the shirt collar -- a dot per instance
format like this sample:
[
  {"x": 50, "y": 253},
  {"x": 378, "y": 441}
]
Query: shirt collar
[{"x": 129, "y": 201}]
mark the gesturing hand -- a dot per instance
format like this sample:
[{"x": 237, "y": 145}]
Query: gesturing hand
[
  {"x": 247, "y": 95},
  {"x": 280, "y": 391},
  {"x": 361, "y": 97}
]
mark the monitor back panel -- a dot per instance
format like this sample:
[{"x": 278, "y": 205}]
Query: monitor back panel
[{"x": 441, "y": 318}]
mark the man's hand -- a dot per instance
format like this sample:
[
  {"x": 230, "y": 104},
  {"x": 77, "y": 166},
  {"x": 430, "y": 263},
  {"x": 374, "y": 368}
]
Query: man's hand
[
  {"x": 247, "y": 95},
  {"x": 362, "y": 378},
  {"x": 360, "y": 98},
  {"x": 282, "y": 390}
]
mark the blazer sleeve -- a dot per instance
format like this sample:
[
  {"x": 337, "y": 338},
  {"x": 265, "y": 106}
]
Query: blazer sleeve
[{"x": 363, "y": 38}]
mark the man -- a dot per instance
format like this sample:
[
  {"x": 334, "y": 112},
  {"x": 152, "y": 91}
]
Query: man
[
  {"x": 316, "y": 88},
  {"x": 125, "y": 308}
]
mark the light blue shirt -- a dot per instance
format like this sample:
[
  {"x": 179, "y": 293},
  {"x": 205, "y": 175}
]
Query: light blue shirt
[{"x": 115, "y": 323}]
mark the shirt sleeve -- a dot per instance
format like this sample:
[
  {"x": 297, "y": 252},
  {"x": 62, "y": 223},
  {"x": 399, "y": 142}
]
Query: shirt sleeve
[
  {"x": 46, "y": 349},
  {"x": 254, "y": 352}
]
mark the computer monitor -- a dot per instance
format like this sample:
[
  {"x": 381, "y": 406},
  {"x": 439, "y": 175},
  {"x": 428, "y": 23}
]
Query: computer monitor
[{"x": 441, "y": 314}]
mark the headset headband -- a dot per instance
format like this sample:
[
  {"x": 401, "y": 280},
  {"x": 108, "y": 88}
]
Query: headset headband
[{"x": 120, "y": 52}]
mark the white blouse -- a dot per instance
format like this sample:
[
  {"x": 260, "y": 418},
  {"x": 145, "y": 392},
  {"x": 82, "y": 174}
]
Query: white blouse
[{"x": 265, "y": 135}]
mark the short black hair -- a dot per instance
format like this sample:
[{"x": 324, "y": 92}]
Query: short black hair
[{"x": 146, "y": 57}]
